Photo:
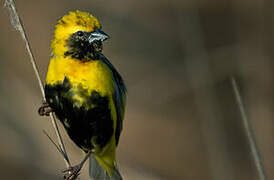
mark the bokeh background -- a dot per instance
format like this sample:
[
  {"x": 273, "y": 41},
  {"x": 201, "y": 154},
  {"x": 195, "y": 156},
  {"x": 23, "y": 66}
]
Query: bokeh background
[{"x": 177, "y": 58}]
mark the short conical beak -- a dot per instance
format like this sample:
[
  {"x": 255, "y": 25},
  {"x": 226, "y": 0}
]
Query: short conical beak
[{"x": 98, "y": 35}]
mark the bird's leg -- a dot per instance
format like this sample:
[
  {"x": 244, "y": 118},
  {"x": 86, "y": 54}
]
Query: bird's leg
[
  {"x": 73, "y": 172},
  {"x": 45, "y": 109}
]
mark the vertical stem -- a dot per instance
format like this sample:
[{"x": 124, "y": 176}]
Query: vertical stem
[
  {"x": 247, "y": 126},
  {"x": 18, "y": 25}
]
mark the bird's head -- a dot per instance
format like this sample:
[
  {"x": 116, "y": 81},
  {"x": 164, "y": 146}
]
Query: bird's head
[{"x": 78, "y": 35}]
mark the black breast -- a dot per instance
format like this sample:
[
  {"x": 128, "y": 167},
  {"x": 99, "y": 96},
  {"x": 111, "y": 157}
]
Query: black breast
[{"x": 82, "y": 123}]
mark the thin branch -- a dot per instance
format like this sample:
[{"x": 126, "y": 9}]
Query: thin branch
[
  {"x": 247, "y": 126},
  {"x": 18, "y": 25},
  {"x": 57, "y": 146},
  {"x": 52, "y": 141}
]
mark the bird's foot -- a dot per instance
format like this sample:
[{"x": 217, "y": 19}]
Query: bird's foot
[
  {"x": 72, "y": 172},
  {"x": 45, "y": 109}
]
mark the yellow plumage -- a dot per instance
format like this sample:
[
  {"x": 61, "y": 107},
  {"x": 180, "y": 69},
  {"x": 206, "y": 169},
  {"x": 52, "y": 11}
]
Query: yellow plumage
[
  {"x": 80, "y": 77},
  {"x": 92, "y": 75},
  {"x": 69, "y": 24}
]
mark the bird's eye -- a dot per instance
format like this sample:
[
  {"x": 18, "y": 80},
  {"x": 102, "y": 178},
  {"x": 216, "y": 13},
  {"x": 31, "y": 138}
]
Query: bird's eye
[{"x": 80, "y": 33}]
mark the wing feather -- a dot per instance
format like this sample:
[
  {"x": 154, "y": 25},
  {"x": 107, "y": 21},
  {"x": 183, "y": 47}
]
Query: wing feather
[{"x": 119, "y": 97}]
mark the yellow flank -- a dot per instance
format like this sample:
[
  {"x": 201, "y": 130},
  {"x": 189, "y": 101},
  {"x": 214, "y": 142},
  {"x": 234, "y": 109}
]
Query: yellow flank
[
  {"x": 106, "y": 157},
  {"x": 70, "y": 24}
]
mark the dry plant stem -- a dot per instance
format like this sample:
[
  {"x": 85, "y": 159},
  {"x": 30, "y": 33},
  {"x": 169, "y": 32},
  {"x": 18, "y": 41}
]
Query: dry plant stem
[
  {"x": 16, "y": 22},
  {"x": 249, "y": 133}
]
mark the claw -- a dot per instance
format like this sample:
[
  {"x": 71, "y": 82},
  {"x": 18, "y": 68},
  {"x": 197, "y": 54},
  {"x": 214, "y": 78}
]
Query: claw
[
  {"x": 72, "y": 173},
  {"x": 45, "y": 109}
]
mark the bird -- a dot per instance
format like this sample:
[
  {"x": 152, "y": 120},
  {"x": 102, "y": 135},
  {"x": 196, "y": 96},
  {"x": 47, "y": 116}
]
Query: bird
[{"x": 86, "y": 93}]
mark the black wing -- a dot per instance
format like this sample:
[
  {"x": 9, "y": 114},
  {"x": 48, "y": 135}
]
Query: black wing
[{"x": 119, "y": 97}]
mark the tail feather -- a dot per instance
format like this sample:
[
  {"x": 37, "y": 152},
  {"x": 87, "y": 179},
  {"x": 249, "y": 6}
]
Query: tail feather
[{"x": 97, "y": 172}]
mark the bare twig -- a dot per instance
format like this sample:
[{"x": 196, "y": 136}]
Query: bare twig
[
  {"x": 18, "y": 25},
  {"x": 251, "y": 140},
  {"x": 57, "y": 146}
]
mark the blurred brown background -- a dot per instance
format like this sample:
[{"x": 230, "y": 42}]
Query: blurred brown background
[{"x": 182, "y": 122}]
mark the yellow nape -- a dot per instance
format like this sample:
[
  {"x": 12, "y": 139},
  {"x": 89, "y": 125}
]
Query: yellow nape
[{"x": 69, "y": 24}]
